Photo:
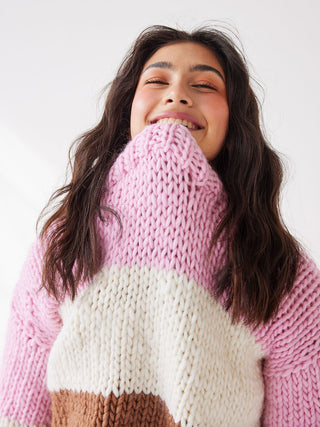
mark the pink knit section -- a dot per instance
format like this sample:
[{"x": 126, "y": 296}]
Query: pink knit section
[
  {"x": 33, "y": 326},
  {"x": 291, "y": 343},
  {"x": 169, "y": 200}
]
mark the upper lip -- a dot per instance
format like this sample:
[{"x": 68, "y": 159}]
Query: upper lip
[{"x": 176, "y": 115}]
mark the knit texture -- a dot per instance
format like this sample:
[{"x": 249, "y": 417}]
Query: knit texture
[{"x": 146, "y": 343}]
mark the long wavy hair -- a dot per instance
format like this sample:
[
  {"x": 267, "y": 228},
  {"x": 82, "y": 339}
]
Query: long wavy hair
[{"x": 262, "y": 256}]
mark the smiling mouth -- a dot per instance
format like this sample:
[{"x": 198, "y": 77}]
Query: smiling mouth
[{"x": 171, "y": 120}]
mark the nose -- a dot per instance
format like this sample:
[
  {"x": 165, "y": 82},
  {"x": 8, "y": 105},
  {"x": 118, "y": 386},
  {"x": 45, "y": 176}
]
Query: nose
[
  {"x": 173, "y": 100},
  {"x": 177, "y": 95}
]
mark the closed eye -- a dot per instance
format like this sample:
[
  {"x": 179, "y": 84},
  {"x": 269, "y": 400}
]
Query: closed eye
[
  {"x": 160, "y": 82},
  {"x": 205, "y": 86}
]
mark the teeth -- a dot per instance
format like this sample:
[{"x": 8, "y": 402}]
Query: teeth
[{"x": 171, "y": 120}]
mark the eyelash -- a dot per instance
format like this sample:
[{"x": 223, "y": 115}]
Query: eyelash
[
  {"x": 204, "y": 86},
  {"x": 156, "y": 82}
]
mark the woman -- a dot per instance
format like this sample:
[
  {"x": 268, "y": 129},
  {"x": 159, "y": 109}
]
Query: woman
[{"x": 175, "y": 295}]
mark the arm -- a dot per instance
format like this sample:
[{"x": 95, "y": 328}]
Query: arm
[
  {"x": 33, "y": 325},
  {"x": 292, "y": 369}
]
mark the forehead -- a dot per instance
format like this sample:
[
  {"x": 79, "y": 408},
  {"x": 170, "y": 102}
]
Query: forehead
[{"x": 185, "y": 54}]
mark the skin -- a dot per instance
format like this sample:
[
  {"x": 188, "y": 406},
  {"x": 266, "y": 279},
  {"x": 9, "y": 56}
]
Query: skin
[{"x": 184, "y": 80}]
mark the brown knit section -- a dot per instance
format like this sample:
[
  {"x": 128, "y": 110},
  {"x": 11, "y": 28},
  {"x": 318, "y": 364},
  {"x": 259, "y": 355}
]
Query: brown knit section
[{"x": 84, "y": 409}]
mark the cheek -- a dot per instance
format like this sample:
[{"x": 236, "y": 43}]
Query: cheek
[
  {"x": 218, "y": 114},
  {"x": 139, "y": 111},
  {"x": 225, "y": 117}
]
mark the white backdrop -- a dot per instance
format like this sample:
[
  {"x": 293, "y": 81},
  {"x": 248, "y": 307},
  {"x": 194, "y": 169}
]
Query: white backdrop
[{"x": 56, "y": 56}]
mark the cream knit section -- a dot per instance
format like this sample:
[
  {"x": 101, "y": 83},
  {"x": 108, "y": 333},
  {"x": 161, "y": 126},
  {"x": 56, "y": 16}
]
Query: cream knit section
[
  {"x": 6, "y": 422},
  {"x": 143, "y": 330}
]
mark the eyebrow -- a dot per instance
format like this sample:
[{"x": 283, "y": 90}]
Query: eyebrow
[{"x": 197, "y": 67}]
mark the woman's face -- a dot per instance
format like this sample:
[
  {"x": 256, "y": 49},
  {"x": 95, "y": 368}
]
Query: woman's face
[{"x": 184, "y": 83}]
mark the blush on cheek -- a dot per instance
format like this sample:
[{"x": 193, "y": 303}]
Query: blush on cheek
[
  {"x": 223, "y": 114},
  {"x": 139, "y": 111}
]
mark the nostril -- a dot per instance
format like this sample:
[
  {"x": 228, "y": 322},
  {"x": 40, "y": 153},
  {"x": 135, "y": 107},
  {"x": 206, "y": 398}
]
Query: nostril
[{"x": 183, "y": 101}]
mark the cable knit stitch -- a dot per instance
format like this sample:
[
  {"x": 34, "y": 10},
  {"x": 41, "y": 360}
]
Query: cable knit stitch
[{"x": 146, "y": 343}]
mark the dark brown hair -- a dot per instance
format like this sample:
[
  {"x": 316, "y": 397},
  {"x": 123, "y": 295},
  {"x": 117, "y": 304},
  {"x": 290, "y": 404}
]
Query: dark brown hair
[{"x": 262, "y": 256}]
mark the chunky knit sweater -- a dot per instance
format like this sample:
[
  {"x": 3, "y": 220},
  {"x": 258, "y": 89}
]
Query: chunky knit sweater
[{"x": 146, "y": 343}]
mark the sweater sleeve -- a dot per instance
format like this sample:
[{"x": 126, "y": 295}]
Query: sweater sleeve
[
  {"x": 292, "y": 367},
  {"x": 33, "y": 325}
]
